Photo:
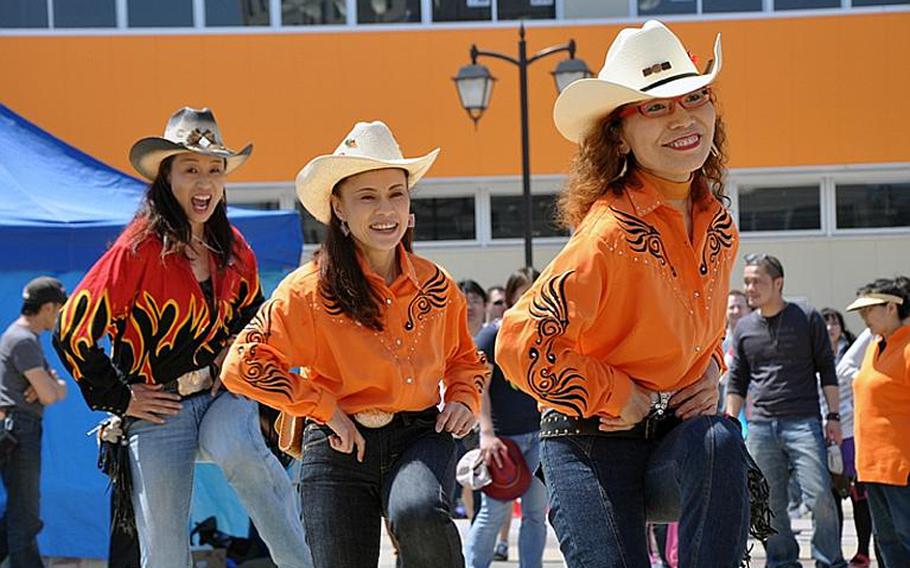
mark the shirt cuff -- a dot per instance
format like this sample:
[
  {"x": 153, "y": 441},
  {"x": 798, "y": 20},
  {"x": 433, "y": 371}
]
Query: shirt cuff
[
  {"x": 325, "y": 407},
  {"x": 615, "y": 400}
]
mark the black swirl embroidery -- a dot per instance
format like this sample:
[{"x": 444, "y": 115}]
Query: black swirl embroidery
[
  {"x": 720, "y": 236},
  {"x": 260, "y": 327},
  {"x": 331, "y": 304},
  {"x": 643, "y": 237},
  {"x": 563, "y": 388},
  {"x": 264, "y": 374},
  {"x": 432, "y": 295}
]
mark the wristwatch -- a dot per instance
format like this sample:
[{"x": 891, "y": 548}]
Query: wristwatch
[{"x": 832, "y": 416}]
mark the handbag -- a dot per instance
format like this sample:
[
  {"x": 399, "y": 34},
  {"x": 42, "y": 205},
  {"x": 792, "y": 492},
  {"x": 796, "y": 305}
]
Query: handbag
[{"x": 290, "y": 434}]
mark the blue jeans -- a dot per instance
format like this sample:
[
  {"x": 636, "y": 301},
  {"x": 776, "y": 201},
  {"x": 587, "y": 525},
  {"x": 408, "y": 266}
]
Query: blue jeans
[
  {"x": 890, "y": 508},
  {"x": 797, "y": 443},
  {"x": 224, "y": 430},
  {"x": 21, "y": 473},
  {"x": 532, "y": 537},
  {"x": 603, "y": 490},
  {"x": 407, "y": 475}
]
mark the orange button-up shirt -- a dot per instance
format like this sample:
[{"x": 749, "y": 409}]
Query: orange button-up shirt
[
  {"x": 881, "y": 407},
  {"x": 425, "y": 340},
  {"x": 630, "y": 298}
]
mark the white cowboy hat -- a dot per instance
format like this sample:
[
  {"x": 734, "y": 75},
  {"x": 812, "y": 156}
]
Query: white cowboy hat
[
  {"x": 642, "y": 63},
  {"x": 188, "y": 130},
  {"x": 369, "y": 146}
]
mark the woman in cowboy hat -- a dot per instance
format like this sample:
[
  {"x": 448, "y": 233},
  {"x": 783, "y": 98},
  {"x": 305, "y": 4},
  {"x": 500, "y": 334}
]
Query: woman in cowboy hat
[
  {"x": 620, "y": 338},
  {"x": 171, "y": 293},
  {"x": 881, "y": 391},
  {"x": 375, "y": 328}
]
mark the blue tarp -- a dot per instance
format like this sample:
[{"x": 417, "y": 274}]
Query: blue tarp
[{"x": 59, "y": 210}]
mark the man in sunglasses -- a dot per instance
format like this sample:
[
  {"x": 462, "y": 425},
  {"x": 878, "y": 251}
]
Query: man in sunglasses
[{"x": 779, "y": 349}]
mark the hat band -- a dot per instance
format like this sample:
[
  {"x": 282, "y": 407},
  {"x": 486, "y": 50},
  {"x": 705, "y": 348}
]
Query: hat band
[{"x": 667, "y": 80}]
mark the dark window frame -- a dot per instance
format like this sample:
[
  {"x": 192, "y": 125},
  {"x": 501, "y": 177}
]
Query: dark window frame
[
  {"x": 817, "y": 185},
  {"x": 902, "y": 185}
]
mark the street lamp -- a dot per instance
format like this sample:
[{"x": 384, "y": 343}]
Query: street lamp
[{"x": 475, "y": 85}]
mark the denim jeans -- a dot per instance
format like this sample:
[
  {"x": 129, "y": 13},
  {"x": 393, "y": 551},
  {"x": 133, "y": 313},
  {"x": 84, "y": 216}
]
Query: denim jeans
[
  {"x": 890, "y": 507},
  {"x": 797, "y": 444},
  {"x": 603, "y": 489},
  {"x": 224, "y": 430},
  {"x": 532, "y": 537},
  {"x": 20, "y": 524},
  {"x": 407, "y": 475}
]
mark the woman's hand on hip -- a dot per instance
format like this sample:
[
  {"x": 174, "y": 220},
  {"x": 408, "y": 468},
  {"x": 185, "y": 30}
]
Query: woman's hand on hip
[
  {"x": 637, "y": 407},
  {"x": 149, "y": 402},
  {"x": 456, "y": 418},
  {"x": 699, "y": 398},
  {"x": 347, "y": 437}
]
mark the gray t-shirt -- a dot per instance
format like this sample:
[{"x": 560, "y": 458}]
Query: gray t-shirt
[{"x": 20, "y": 351}]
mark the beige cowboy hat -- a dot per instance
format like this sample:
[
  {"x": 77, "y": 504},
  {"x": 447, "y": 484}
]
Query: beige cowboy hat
[
  {"x": 369, "y": 146},
  {"x": 873, "y": 299},
  {"x": 642, "y": 63},
  {"x": 188, "y": 130}
]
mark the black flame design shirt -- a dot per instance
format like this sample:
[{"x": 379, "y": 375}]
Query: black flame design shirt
[
  {"x": 156, "y": 316},
  {"x": 630, "y": 298},
  {"x": 424, "y": 341}
]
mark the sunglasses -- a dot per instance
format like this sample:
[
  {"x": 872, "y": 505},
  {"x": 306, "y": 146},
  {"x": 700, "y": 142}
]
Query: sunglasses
[{"x": 662, "y": 107}]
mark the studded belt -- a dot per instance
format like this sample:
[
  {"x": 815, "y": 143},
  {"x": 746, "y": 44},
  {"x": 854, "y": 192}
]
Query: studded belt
[{"x": 656, "y": 425}]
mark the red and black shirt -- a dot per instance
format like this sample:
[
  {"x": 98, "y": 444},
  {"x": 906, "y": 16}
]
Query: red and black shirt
[{"x": 156, "y": 315}]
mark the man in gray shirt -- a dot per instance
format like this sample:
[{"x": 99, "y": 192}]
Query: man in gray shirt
[
  {"x": 27, "y": 385},
  {"x": 780, "y": 349}
]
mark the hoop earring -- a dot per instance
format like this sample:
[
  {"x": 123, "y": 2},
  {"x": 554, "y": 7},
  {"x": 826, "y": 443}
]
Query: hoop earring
[
  {"x": 624, "y": 169},
  {"x": 714, "y": 151},
  {"x": 412, "y": 220},
  {"x": 345, "y": 230}
]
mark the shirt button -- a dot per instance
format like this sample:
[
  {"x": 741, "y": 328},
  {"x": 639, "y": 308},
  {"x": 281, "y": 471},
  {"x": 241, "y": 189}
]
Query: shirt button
[
  {"x": 388, "y": 301},
  {"x": 398, "y": 342},
  {"x": 697, "y": 294},
  {"x": 409, "y": 380},
  {"x": 697, "y": 348}
]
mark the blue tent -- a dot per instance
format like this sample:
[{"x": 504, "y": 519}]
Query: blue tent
[{"x": 59, "y": 210}]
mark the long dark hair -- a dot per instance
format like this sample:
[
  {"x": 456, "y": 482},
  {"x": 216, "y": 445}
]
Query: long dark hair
[
  {"x": 831, "y": 314},
  {"x": 520, "y": 278},
  {"x": 342, "y": 282},
  {"x": 160, "y": 214},
  {"x": 598, "y": 163}
]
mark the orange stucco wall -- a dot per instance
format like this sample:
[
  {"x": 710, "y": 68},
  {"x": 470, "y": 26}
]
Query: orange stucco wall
[{"x": 800, "y": 91}]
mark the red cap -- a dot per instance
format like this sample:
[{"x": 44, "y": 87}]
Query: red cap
[{"x": 512, "y": 479}]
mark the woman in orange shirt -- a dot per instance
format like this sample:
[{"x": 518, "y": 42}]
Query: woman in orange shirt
[
  {"x": 620, "y": 338},
  {"x": 881, "y": 407},
  {"x": 374, "y": 328}
]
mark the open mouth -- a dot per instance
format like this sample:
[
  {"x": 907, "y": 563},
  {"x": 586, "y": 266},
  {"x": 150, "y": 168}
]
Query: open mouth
[
  {"x": 385, "y": 228},
  {"x": 685, "y": 143},
  {"x": 201, "y": 203}
]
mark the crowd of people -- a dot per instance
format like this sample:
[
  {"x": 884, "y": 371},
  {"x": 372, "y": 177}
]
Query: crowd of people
[{"x": 595, "y": 384}]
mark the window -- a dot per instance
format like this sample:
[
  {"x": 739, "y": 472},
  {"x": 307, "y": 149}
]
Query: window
[
  {"x": 796, "y": 208},
  {"x": 236, "y": 13},
  {"x": 528, "y": 9},
  {"x": 664, "y": 7},
  {"x": 858, "y": 3},
  {"x": 444, "y": 219},
  {"x": 313, "y": 12},
  {"x": 313, "y": 230},
  {"x": 805, "y": 4},
  {"x": 461, "y": 10},
  {"x": 576, "y": 9},
  {"x": 160, "y": 13},
  {"x": 23, "y": 14},
  {"x": 873, "y": 206},
  {"x": 507, "y": 215},
  {"x": 84, "y": 14},
  {"x": 714, "y": 6},
  {"x": 387, "y": 11}
]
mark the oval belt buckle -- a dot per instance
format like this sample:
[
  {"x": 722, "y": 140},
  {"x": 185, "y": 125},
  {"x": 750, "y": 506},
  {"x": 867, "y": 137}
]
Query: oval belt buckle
[{"x": 374, "y": 418}]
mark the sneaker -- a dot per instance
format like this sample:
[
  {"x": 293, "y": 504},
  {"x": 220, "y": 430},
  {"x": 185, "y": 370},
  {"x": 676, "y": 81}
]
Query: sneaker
[
  {"x": 501, "y": 551},
  {"x": 860, "y": 561}
]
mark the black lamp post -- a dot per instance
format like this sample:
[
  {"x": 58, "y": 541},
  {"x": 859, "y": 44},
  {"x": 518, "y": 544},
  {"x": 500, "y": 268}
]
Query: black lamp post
[{"x": 475, "y": 85}]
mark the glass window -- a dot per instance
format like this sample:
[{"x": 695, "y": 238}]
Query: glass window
[
  {"x": 878, "y": 2},
  {"x": 160, "y": 13},
  {"x": 663, "y": 7},
  {"x": 313, "y": 230},
  {"x": 23, "y": 14},
  {"x": 236, "y": 13},
  {"x": 387, "y": 11},
  {"x": 461, "y": 10},
  {"x": 529, "y": 9},
  {"x": 869, "y": 206},
  {"x": 796, "y": 208},
  {"x": 714, "y": 6},
  {"x": 444, "y": 218},
  {"x": 313, "y": 12},
  {"x": 84, "y": 14},
  {"x": 595, "y": 9},
  {"x": 805, "y": 4},
  {"x": 507, "y": 214}
]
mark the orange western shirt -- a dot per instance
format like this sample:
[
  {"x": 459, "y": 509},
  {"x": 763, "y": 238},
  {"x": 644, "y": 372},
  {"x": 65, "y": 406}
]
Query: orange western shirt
[
  {"x": 881, "y": 407},
  {"x": 630, "y": 298},
  {"x": 425, "y": 340}
]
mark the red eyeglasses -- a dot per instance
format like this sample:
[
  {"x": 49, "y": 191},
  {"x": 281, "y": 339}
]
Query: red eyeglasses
[{"x": 663, "y": 107}]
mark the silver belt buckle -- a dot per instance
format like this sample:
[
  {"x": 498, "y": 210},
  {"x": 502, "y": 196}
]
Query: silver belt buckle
[
  {"x": 194, "y": 381},
  {"x": 374, "y": 418}
]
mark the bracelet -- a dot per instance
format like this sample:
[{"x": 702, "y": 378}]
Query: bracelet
[{"x": 833, "y": 416}]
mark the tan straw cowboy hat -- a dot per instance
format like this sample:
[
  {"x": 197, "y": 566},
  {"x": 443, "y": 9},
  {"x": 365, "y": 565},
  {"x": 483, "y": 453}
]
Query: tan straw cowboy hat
[
  {"x": 369, "y": 146},
  {"x": 188, "y": 130},
  {"x": 642, "y": 63}
]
